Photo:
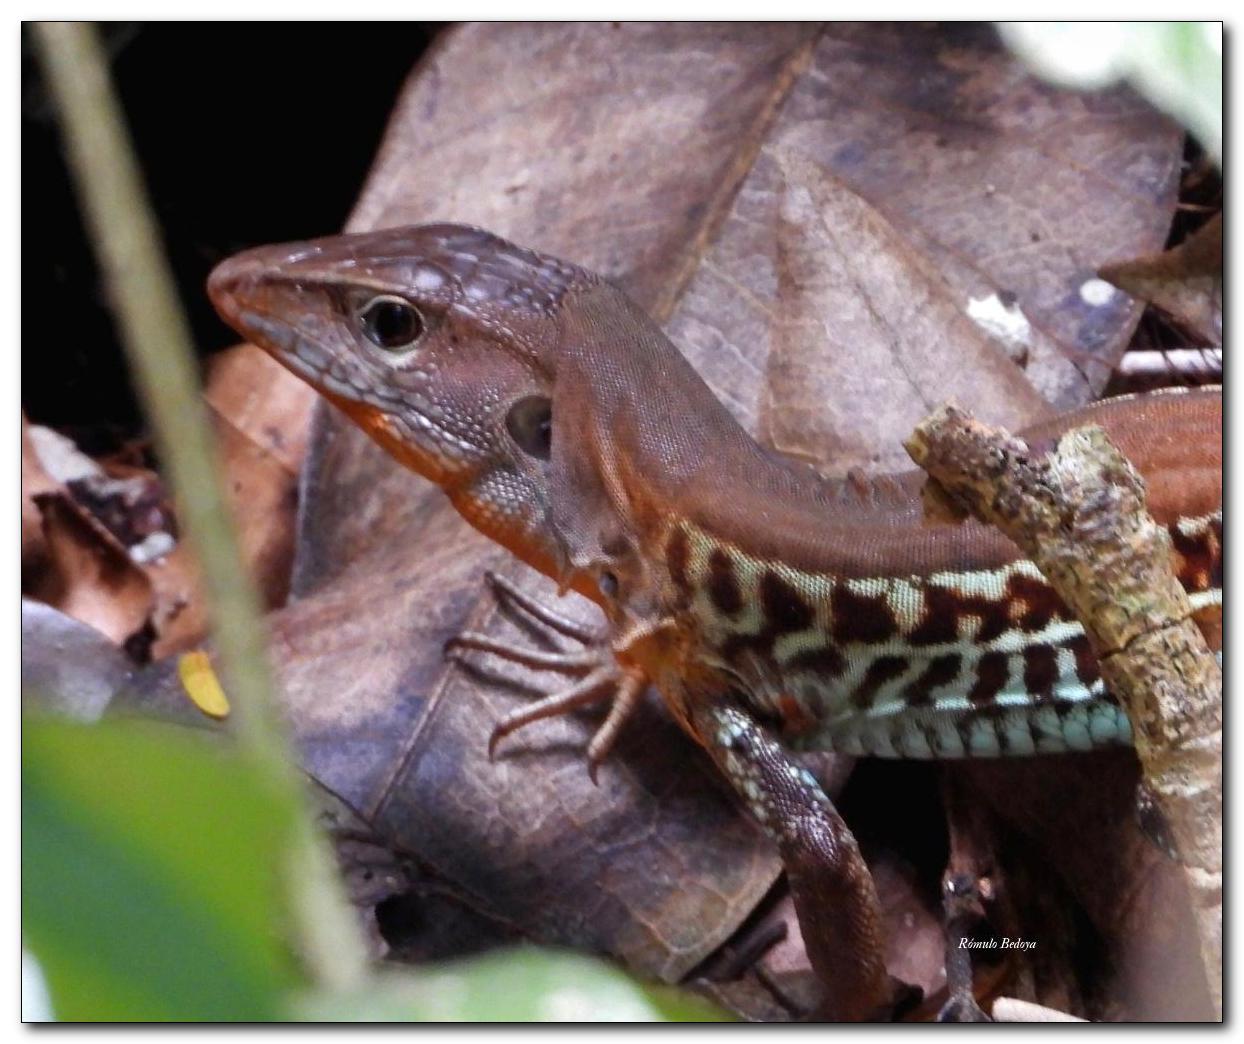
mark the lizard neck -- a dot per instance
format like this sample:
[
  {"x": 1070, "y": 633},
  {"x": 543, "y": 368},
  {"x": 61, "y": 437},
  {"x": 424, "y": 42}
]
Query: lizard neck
[
  {"x": 660, "y": 449},
  {"x": 649, "y": 443}
]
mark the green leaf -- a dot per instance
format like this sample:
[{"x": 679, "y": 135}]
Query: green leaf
[
  {"x": 1176, "y": 65},
  {"x": 152, "y": 864},
  {"x": 521, "y": 985}
]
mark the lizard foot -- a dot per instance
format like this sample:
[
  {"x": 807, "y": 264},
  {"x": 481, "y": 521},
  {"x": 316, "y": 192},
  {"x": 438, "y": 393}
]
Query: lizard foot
[{"x": 598, "y": 674}]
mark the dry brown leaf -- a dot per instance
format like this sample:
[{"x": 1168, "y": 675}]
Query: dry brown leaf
[
  {"x": 262, "y": 420},
  {"x": 913, "y": 927},
  {"x": 152, "y": 606},
  {"x": 132, "y": 504},
  {"x": 1012, "y": 191},
  {"x": 260, "y": 416},
  {"x": 35, "y": 480},
  {"x": 262, "y": 400},
  {"x": 263, "y": 497},
  {"x": 180, "y": 617},
  {"x": 1080, "y": 813},
  {"x": 110, "y": 550},
  {"x": 866, "y": 319},
  {"x": 91, "y": 576},
  {"x": 1185, "y": 282}
]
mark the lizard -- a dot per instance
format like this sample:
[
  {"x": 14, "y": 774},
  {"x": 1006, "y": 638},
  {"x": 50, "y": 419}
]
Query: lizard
[{"x": 774, "y": 609}]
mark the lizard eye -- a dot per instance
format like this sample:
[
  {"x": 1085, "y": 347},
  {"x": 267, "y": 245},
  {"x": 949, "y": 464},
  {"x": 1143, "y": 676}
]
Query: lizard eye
[
  {"x": 391, "y": 323},
  {"x": 530, "y": 424}
]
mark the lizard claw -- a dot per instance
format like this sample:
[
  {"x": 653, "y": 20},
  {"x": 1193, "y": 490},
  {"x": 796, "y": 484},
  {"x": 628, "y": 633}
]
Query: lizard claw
[
  {"x": 628, "y": 691},
  {"x": 507, "y": 592},
  {"x": 599, "y": 675},
  {"x": 592, "y": 688},
  {"x": 607, "y": 682}
]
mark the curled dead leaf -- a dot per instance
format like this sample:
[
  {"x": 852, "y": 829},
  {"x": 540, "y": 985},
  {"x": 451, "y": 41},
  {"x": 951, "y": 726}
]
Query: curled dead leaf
[
  {"x": 1185, "y": 282},
  {"x": 35, "y": 480},
  {"x": 91, "y": 576}
]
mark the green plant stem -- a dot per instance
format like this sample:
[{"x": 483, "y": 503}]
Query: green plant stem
[{"x": 158, "y": 342}]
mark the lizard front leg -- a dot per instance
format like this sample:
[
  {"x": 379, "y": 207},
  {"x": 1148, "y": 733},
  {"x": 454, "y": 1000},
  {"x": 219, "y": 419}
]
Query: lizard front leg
[
  {"x": 599, "y": 675},
  {"x": 839, "y": 913}
]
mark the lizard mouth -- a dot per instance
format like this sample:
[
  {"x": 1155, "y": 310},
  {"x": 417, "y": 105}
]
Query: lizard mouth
[
  {"x": 238, "y": 289},
  {"x": 256, "y": 305}
]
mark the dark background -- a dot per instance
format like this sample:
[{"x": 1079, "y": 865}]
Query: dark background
[{"x": 247, "y": 133}]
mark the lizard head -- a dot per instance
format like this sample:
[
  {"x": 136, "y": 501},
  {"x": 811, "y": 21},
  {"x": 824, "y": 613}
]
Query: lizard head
[{"x": 437, "y": 340}]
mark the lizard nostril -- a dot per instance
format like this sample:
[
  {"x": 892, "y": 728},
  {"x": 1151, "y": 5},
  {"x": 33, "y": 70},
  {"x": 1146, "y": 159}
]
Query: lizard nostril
[
  {"x": 530, "y": 424},
  {"x": 223, "y": 282}
]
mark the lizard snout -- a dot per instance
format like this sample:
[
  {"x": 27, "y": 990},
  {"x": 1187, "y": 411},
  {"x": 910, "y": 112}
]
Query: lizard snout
[{"x": 238, "y": 278}]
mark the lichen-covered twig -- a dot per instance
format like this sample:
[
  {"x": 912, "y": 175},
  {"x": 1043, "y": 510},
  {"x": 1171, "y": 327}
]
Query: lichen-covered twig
[{"x": 1079, "y": 514}]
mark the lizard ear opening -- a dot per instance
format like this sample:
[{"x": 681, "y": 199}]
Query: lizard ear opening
[{"x": 530, "y": 424}]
